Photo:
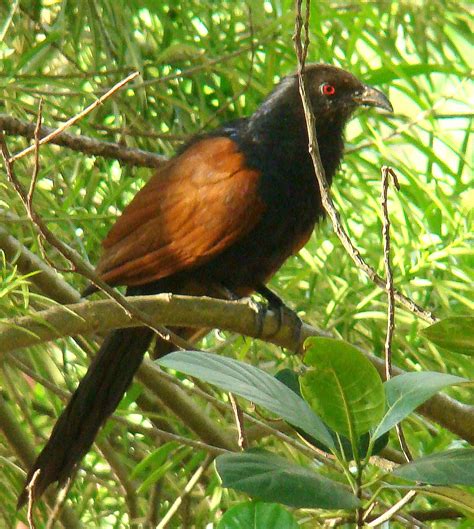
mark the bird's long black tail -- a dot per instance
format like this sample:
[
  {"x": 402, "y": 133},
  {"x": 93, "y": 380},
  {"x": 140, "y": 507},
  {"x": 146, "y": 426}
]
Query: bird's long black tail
[{"x": 94, "y": 400}]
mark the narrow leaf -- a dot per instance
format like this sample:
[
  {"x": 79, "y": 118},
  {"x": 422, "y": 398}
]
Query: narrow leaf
[
  {"x": 406, "y": 392},
  {"x": 455, "y": 334},
  {"x": 457, "y": 498}
]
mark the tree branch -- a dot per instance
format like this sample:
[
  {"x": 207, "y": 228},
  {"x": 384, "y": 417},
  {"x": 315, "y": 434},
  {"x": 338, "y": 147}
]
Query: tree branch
[
  {"x": 83, "y": 144},
  {"x": 188, "y": 311}
]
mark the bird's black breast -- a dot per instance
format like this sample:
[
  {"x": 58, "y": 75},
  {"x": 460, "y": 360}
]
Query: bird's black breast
[
  {"x": 290, "y": 193},
  {"x": 276, "y": 145}
]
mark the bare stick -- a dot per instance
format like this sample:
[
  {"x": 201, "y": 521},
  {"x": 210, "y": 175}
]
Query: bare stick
[
  {"x": 186, "y": 491},
  {"x": 34, "y": 178},
  {"x": 239, "y": 421},
  {"x": 31, "y": 497},
  {"x": 388, "y": 172},
  {"x": 87, "y": 145},
  {"x": 393, "y": 510}
]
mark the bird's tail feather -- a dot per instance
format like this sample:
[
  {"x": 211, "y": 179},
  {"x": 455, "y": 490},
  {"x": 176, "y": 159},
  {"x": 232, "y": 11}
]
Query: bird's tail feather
[{"x": 94, "y": 400}]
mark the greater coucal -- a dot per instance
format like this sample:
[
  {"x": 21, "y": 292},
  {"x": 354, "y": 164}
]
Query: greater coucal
[{"x": 221, "y": 216}]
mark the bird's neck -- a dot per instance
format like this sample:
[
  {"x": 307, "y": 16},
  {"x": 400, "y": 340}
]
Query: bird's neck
[{"x": 278, "y": 128}]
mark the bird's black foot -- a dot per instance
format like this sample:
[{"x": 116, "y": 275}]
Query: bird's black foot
[
  {"x": 260, "y": 309},
  {"x": 283, "y": 312}
]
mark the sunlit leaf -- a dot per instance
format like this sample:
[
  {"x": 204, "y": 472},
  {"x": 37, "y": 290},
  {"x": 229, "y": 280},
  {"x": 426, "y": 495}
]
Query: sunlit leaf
[
  {"x": 342, "y": 386},
  {"x": 455, "y": 333}
]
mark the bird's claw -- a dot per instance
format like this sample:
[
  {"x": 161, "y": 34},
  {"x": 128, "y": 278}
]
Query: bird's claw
[
  {"x": 283, "y": 315},
  {"x": 260, "y": 311}
]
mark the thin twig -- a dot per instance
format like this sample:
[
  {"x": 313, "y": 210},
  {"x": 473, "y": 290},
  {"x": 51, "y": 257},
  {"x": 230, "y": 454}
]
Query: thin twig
[
  {"x": 85, "y": 144},
  {"x": 59, "y": 503},
  {"x": 31, "y": 497},
  {"x": 186, "y": 491},
  {"x": 239, "y": 421},
  {"x": 445, "y": 513},
  {"x": 34, "y": 177},
  {"x": 393, "y": 510},
  {"x": 387, "y": 173},
  {"x": 77, "y": 117}
]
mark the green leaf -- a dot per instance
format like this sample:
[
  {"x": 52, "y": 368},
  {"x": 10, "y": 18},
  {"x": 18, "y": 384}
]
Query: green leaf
[
  {"x": 251, "y": 383},
  {"x": 457, "y": 498},
  {"x": 159, "y": 471},
  {"x": 257, "y": 515},
  {"x": 406, "y": 392},
  {"x": 453, "y": 467},
  {"x": 343, "y": 387},
  {"x": 291, "y": 380},
  {"x": 455, "y": 334},
  {"x": 387, "y": 75},
  {"x": 154, "y": 460},
  {"x": 272, "y": 478}
]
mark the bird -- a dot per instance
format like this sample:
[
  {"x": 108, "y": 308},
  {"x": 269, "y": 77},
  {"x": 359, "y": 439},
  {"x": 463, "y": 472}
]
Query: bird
[{"x": 218, "y": 219}]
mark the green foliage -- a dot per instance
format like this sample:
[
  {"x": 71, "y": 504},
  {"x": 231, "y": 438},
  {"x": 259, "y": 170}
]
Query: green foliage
[
  {"x": 257, "y": 515},
  {"x": 342, "y": 386},
  {"x": 195, "y": 61},
  {"x": 271, "y": 478},
  {"x": 264, "y": 476},
  {"x": 251, "y": 383},
  {"x": 406, "y": 392},
  {"x": 454, "y": 467},
  {"x": 455, "y": 334}
]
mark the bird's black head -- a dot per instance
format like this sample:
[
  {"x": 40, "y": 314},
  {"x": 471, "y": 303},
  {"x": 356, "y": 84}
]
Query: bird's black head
[
  {"x": 279, "y": 123},
  {"x": 336, "y": 93}
]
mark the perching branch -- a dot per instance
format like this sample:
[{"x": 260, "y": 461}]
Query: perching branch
[
  {"x": 66, "y": 251},
  {"x": 188, "y": 311}
]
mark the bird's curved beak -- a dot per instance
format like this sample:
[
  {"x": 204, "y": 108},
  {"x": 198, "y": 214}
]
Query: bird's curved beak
[{"x": 372, "y": 97}]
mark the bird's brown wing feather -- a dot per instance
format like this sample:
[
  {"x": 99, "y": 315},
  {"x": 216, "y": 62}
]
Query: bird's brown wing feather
[{"x": 193, "y": 208}]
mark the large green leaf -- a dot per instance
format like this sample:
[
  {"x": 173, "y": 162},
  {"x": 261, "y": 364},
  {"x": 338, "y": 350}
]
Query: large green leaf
[
  {"x": 453, "y": 467},
  {"x": 343, "y": 387},
  {"x": 271, "y": 478},
  {"x": 291, "y": 379},
  {"x": 406, "y": 392},
  {"x": 455, "y": 334},
  {"x": 257, "y": 515},
  {"x": 251, "y": 383}
]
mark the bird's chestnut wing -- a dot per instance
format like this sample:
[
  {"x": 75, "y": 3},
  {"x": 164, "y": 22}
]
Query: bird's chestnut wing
[{"x": 194, "y": 207}]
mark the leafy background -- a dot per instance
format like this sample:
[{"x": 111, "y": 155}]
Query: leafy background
[{"x": 203, "y": 63}]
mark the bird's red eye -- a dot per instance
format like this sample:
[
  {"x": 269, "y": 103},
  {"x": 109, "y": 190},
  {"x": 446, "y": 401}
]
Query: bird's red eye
[{"x": 328, "y": 89}]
